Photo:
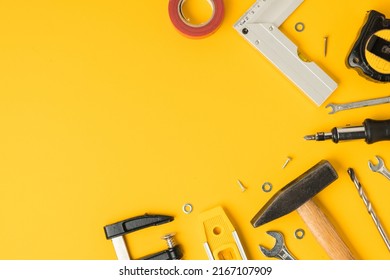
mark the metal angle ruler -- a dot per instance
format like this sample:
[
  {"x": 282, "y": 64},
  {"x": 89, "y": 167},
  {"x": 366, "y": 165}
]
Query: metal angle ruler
[{"x": 259, "y": 26}]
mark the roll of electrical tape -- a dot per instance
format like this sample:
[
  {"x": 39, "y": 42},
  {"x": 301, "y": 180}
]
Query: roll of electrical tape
[{"x": 175, "y": 9}]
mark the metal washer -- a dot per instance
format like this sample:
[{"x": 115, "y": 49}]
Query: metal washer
[
  {"x": 187, "y": 208},
  {"x": 299, "y": 233},
  {"x": 299, "y": 26},
  {"x": 267, "y": 187}
]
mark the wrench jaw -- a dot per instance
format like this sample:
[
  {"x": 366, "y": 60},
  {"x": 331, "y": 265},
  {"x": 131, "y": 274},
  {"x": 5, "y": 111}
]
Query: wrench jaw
[
  {"x": 379, "y": 166},
  {"x": 279, "y": 250},
  {"x": 273, "y": 253},
  {"x": 333, "y": 108},
  {"x": 268, "y": 253}
]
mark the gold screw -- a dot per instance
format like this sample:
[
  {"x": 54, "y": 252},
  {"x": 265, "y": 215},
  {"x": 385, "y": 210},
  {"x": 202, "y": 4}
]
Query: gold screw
[
  {"x": 286, "y": 162},
  {"x": 242, "y": 187},
  {"x": 325, "y": 45}
]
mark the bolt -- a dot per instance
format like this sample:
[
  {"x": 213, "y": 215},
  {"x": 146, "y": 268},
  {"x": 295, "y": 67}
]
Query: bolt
[{"x": 245, "y": 31}]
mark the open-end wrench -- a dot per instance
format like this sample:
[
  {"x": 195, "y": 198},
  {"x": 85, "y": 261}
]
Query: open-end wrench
[
  {"x": 380, "y": 167},
  {"x": 352, "y": 105},
  {"x": 279, "y": 250}
]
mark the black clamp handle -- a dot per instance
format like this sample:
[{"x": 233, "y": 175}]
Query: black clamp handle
[{"x": 134, "y": 224}]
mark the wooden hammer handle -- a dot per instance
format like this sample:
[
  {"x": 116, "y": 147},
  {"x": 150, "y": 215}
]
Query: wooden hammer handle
[{"x": 324, "y": 231}]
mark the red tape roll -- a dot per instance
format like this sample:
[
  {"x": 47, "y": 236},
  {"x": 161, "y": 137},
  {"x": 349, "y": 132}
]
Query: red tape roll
[{"x": 196, "y": 31}]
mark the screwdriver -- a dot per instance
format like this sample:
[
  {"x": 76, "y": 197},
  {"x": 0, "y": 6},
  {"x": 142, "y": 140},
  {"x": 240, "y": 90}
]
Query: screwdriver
[{"x": 371, "y": 131}]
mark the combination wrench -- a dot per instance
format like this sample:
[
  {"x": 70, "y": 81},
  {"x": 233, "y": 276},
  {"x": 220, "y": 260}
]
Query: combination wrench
[
  {"x": 380, "y": 167},
  {"x": 279, "y": 250},
  {"x": 352, "y": 105}
]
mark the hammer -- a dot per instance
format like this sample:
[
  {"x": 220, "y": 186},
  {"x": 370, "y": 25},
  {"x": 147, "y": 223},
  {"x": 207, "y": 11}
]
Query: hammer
[{"x": 297, "y": 195}]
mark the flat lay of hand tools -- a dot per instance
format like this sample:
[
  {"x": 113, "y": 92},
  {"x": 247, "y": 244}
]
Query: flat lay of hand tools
[
  {"x": 260, "y": 26},
  {"x": 195, "y": 112}
]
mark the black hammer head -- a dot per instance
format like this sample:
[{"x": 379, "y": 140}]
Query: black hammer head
[{"x": 296, "y": 193}]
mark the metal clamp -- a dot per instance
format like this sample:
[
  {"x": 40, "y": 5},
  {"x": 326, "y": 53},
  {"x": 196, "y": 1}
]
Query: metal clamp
[{"x": 117, "y": 231}]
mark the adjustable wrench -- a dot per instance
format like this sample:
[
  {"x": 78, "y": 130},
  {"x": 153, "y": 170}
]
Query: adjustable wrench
[
  {"x": 352, "y": 105},
  {"x": 380, "y": 167},
  {"x": 279, "y": 250}
]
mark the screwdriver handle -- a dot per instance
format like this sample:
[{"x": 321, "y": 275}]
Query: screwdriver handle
[{"x": 376, "y": 130}]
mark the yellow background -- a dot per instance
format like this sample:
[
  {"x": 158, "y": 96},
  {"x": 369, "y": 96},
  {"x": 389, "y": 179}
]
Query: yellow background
[{"x": 107, "y": 112}]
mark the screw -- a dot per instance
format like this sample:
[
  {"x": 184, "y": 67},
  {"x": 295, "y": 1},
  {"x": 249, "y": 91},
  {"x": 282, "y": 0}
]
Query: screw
[
  {"x": 242, "y": 187},
  {"x": 245, "y": 31},
  {"x": 325, "y": 45},
  {"x": 287, "y": 161},
  {"x": 169, "y": 239}
]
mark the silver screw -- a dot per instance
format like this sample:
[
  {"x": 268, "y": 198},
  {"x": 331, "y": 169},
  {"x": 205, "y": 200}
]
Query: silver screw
[{"x": 169, "y": 239}]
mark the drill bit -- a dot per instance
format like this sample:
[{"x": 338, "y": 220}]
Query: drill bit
[{"x": 368, "y": 205}]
